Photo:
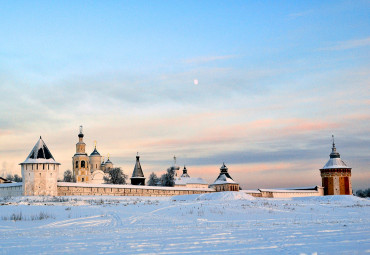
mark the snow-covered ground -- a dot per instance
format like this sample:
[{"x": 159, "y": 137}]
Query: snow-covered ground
[{"x": 218, "y": 223}]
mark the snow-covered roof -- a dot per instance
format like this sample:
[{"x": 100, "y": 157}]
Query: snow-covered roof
[
  {"x": 138, "y": 172},
  {"x": 287, "y": 190},
  {"x": 92, "y": 185},
  {"x": 335, "y": 163},
  {"x": 12, "y": 184},
  {"x": 40, "y": 154},
  {"x": 223, "y": 179},
  {"x": 250, "y": 191},
  {"x": 189, "y": 180}
]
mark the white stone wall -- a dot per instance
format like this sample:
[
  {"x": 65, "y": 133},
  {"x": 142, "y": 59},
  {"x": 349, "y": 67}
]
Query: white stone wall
[{"x": 11, "y": 190}]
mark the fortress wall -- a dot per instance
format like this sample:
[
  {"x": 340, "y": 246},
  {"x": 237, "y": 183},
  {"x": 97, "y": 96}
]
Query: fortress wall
[
  {"x": 121, "y": 190},
  {"x": 11, "y": 190}
]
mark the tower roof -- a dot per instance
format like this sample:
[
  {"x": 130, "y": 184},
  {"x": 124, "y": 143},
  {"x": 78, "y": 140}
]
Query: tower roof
[
  {"x": 335, "y": 161},
  {"x": 223, "y": 179},
  {"x": 81, "y": 135},
  {"x": 185, "y": 172},
  {"x": 138, "y": 172},
  {"x": 40, "y": 154},
  {"x": 95, "y": 151},
  {"x": 224, "y": 171}
]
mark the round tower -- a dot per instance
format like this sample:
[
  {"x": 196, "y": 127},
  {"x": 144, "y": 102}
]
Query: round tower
[
  {"x": 80, "y": 161},
  {"x": 336, "y": 175},
  {"x": 95, "y": 160},
  {"x": 102, "y": 165},
  {"x": 108, "y": 165},
  {"x": 40, "y": 172}
]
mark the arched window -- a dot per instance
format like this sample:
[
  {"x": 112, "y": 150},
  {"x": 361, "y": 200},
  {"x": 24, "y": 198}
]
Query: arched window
[
  {"x": 77, "y": 164},
  {"x": 82, "y": 164}
]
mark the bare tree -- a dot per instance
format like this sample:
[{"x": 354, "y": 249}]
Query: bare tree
[
  {"x": 68, "y": 177},
  {"x": 115, "y": 176}
]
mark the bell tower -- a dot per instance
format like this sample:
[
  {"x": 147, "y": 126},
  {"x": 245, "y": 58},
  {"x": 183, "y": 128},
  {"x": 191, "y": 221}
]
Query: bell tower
[
  {"x": 80, "y": 161},
  {"x": 336, "y": 175}
]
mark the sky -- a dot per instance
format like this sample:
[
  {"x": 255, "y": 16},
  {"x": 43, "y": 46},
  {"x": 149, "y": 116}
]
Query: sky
[{"x": 275, "y": 80}]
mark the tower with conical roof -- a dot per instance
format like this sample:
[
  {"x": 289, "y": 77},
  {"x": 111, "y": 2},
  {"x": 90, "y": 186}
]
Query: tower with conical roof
[
  {"x": 80, "y": 161},
  {"x": 336, "y": 175},
  {"x": 185, "y": 173},
  {"x": 40, "y": 172},
  {"x": 224, "y": 182},
  {"x": 137, "y": 175}
]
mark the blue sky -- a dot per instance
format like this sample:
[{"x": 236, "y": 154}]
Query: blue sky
[{"x": 276, "y": 79}]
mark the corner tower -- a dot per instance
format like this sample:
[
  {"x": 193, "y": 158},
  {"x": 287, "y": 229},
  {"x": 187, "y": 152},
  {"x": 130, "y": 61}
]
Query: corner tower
[
  {"x": 224, "y": 182},
  {"x": 138, "y": 175},
  {"x": 40, "y": 172},
  {"x": 80, "y": 161},
  {"x": 336, "y": 175}
]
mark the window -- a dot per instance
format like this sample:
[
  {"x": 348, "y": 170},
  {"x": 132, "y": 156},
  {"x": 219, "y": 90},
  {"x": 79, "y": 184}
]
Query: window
[
  {"x": 77, "y": 164},
  {"x": 82, "y": 164},
  {"x": 48, "y": 166},
  {"x": 96, "y": 166},
  {"x": 43, "y": 166},
  {"x": 83, "y": 179}
]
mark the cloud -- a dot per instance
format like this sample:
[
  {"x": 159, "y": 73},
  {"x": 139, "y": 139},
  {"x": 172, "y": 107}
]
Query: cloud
[
  {"x": 346, "y": 45},
  {"x": 206, "y": 59}
]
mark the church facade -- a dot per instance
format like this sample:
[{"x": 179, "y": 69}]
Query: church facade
[{"x": 89, "y": 169}]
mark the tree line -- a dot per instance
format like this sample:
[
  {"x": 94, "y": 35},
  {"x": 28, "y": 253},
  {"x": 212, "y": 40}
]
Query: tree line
[
  {"x": 363, "y": 193},
  {"x": 14, "y": 178}
]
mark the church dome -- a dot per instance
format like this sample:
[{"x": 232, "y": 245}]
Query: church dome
[{"x": 95, "y": 153}]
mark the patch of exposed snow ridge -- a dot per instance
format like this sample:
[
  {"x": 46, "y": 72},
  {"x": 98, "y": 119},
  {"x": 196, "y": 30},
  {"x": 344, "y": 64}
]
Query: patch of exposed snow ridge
[{"x": 220, "y": 196}]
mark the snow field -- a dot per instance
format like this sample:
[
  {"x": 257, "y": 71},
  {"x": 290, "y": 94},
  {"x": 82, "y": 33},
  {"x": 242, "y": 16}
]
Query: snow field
[{"x": 225, "y": 222}]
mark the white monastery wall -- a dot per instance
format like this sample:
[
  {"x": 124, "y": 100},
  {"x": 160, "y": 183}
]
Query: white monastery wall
[
  {"x": 89, "y": 189},
  {"x": 11, "y": 189}
]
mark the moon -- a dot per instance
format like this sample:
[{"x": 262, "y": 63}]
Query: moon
[{"x": 195, "y": 81}]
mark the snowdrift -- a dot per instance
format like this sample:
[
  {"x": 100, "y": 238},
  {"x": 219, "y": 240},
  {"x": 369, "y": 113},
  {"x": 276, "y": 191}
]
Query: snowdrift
[{"x": 220, "y": 196}]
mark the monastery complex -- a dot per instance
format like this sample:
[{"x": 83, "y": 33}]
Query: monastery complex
[{"x": 40, "y": 172}]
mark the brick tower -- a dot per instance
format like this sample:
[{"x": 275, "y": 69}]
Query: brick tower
[{"x": 336, "y": 175}]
